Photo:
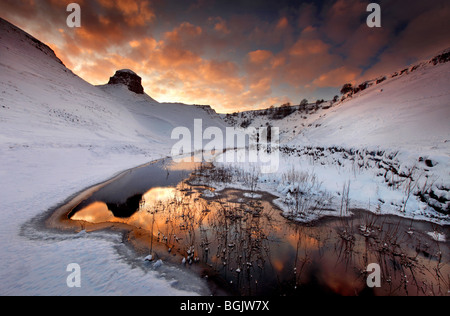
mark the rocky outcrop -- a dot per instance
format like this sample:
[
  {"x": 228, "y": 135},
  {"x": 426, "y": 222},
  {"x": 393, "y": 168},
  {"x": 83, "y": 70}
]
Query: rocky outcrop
[
  {"x": 442, "y": 58},
  {"x": 128, "y": 78}
]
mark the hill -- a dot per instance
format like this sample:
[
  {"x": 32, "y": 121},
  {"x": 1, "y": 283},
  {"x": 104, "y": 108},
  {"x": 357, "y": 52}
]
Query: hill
[{"x": 58, "y": 135}]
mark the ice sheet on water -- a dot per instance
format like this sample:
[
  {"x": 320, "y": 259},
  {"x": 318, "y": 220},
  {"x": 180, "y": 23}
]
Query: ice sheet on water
[{"x": 437, "y": 236}]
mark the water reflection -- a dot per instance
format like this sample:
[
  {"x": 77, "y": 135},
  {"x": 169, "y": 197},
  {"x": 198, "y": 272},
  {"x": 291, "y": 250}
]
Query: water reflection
[
  {"x": 255, "y": 251},
  {"x": 96, "y": 212}
]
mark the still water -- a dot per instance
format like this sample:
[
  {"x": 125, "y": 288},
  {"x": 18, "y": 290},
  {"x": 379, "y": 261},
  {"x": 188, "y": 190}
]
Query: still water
[{"x": 244, "y": 246}]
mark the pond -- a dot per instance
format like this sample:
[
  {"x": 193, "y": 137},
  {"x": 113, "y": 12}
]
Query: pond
[{"x": 241, "y": 243}]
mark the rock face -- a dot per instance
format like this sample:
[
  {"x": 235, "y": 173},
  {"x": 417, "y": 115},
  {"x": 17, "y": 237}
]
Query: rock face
[{"x": 128, "y": 78}]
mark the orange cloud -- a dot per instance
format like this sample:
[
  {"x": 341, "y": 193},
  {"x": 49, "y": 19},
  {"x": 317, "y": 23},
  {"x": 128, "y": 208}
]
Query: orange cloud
[
  {"x": 183, "y": 32},
  {"x": 306, "y": 47},
  {"x": 196, "y": 53},
  {"x": 337, "y": 77},
  {"x": 221, "y": 26},
  {"x": 342, "y": 18},
  {"x": 282, "y": 23},
  {"x": 262, "y": 88},
  {"x": 260, "y": 56},
  {"x": 136, "y": 13}
]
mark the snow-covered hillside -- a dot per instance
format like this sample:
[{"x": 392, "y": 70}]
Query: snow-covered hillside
[
  {"x": 290, "y": 119},
  {"x": 398, "y": 126},
  {"x": 389, "y": 138},
  {"x": 58, "y": 135},
  {"x": 410, "y": 111}
]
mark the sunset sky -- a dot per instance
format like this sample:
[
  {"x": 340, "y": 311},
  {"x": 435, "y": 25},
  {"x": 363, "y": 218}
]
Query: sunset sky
[{"x": 236, "y": 55}]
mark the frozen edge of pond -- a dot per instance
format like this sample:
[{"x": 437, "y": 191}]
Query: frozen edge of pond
[
  {"x": 311, "y": 217},
  {"x": 164, "y": 276}
]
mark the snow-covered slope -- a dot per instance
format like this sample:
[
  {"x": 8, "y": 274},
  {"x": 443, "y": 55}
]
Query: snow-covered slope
[
  {"x": 409, "y": 112},
  {"x": 58, "y": 135},
  {"x": 43, "y": 101},
  {"x": 398, "y": 125},
  {"x": 290, "y": 120},
  {"x": 409, "y": 109},
  {"x": 389, "y": 137}
]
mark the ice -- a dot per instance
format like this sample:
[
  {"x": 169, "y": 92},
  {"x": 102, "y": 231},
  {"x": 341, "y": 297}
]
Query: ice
[
  {"x": 437, "y": 236},
  {"x": 149, "y": 258}
]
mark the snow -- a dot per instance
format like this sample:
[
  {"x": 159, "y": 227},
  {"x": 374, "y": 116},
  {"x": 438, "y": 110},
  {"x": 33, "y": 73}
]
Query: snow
[
  {"x": 60, "y": 135},
  {"x": 209, "y": 194},
  {"x": 411, "y": 112},
  {"x": 128, "y": 71},
  {"x": 149, "y": 258},
  {"x": 406, "y": 116},
  {"x": 252, "y": 195},
  {"x": 437, "y": 236},
  {"x": 158, "y": 264},
  {"x": 371, "y": 141}
]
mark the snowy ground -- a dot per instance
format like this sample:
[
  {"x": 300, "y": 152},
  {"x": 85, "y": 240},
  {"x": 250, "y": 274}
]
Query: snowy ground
[{"x": 308, "y": 189}]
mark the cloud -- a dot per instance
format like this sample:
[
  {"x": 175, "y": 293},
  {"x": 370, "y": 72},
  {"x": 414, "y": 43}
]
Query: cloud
[
  {"x": 342, "y": 18},
  {"x": 337, "y": 77},
  {"x": 262, "y": 88},
  {"x": 422, "y": 37},
  {"x": 282, "y": 23},
  {"x": 308, "y": 47},
  {"x": 220, "y": 25},
  {"x": 135, "y": 13},
  {"x": 260, "y": 56},
  {"x": 234, "y": 56}
]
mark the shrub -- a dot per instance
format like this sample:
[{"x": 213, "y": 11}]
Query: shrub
[
  {"x": 347, "y": 88},
  {"x": 246, "y": 123},
  {"x": 381, "y": 80},
  {"x": 283, "y": 111}
]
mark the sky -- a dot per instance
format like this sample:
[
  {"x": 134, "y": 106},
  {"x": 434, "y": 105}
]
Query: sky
[{"x": 237, "y": 55}]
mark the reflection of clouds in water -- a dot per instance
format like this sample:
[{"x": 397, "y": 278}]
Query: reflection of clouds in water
[
  {"x": 157, "y": 195},
  {"x": 189, "y": 164},
  {"x": 154, "y": 199},
  {"x": 306, "y": 241},
  {"x": 250, "y": 237},
  {"x": 340, "y": 280},
  {"x": 96, "y": 212}
]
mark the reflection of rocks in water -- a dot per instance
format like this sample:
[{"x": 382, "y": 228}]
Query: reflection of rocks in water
[{"x": 127, "y": 209}]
